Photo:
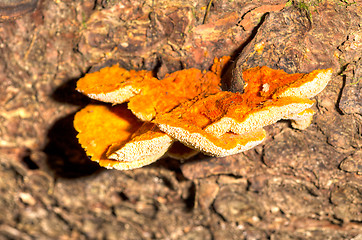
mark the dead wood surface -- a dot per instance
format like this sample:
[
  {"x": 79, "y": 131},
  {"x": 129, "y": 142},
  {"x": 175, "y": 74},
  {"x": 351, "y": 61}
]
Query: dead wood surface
[{"x": 296, "y": 185}]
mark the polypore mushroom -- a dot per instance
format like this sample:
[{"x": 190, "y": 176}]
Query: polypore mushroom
[
  {"x": 188, "y": 106},
  {"x": 235, "y": 133},
  {"x": 115, "y": 138},
  {"x": 269, "y": 95},
  {"x": 147, "y": 95},
  {"x": 137, "y": 145},
  {"x": 286, "y": 95}
]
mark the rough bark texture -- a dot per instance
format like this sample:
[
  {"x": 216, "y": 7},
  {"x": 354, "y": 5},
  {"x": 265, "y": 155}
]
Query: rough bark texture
[{"x": 296, "y": 185}]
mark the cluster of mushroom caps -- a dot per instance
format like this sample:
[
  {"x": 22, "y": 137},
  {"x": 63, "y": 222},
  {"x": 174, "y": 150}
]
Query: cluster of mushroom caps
[{"x": 187, "y": 107}]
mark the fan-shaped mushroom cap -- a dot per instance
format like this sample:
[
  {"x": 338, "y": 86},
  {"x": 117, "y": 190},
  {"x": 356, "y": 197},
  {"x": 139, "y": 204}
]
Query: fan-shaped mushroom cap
[
  {"x": 308, "y": 86},
  {"x": 243, "y": 119},
  {"x": 192, "y": 123},
  {"x": 268, "y": 92},
  {"x": 104, "y": 131},
  {"x": 113, "y": 84}
]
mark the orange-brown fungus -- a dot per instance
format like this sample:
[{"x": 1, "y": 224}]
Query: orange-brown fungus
[
  {"x": 205, "y": 111},
  {"x": 188, "y": 106},
  {"x": 173, "y": 90},
  {"x": 147, "y": 142},
  {"x": 189, "y": 123},
  {"x": 147, "y": 95},
  {"x": 265, "y": 100},
  {"x": 110, "y": 79},
  {"x": 103, "y": 130},
  {"x": 100, "y": 126}
]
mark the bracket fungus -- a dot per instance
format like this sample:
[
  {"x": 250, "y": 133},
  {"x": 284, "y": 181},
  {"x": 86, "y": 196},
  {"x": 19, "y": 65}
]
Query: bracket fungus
[
  {"x": 104, "y": 128},
  {"x": 187, "y": 112}
]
